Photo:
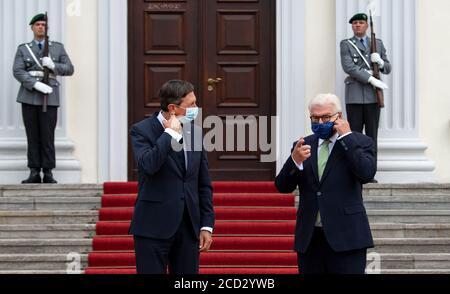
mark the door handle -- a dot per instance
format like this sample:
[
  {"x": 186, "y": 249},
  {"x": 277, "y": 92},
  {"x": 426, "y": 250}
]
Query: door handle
[{"x": 213, "y": 82}]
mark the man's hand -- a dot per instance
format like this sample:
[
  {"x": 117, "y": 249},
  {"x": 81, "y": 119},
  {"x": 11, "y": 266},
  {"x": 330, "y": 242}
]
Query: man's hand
[
  {"x": 48, "y": 63},
  {"x": 342, "y": 127},
  {"x": 376, "y": 58},
  {"x": 43, "y": 88},
  {"x": 173, "y": 123},
  {"x": 301, "y": 152},
  {"x": 205, "y": 241},
  {"x": 378, "y": 84}
]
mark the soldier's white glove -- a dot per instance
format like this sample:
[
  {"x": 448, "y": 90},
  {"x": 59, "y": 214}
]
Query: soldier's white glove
[
  {"x": 43, "y": 88},
  {"x": 376, "y": 58},
  {"x": 48, "y": 63},
  {"x": 378, "y": 84}
]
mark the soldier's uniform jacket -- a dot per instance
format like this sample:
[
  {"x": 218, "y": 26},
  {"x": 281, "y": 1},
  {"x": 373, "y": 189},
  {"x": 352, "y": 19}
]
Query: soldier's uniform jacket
[
  {"x": 357, "y": 88},
  {"x": 26, "y": 71}
]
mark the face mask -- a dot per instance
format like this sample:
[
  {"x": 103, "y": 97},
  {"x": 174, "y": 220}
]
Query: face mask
[
  {"x": 324, "y": 131},
  {"x": 191, "y": 115}
]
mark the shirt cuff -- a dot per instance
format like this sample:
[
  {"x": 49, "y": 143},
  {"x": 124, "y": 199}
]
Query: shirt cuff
[
  {"x": 299, "y": 166},
  {"x": 208, "y": 229},
  {"x": 344, "y": 135},
  {"x": 176, "y": 136}
]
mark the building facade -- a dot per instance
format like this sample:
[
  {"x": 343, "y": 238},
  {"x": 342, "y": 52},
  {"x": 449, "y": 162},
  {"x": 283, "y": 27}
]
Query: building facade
[{"x": 101, "y": 36}]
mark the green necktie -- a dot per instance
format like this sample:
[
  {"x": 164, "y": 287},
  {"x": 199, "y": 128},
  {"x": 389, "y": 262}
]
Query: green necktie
[
  {"x": 323, "y": 157},
  {"x": 324, "y": 154}
]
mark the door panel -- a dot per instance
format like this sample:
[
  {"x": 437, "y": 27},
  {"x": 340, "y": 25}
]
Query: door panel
[{"x": 197, "y": 40}]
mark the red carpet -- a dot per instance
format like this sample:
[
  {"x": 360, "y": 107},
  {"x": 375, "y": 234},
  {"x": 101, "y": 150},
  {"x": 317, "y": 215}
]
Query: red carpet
[{"x": 253, "y": 235}]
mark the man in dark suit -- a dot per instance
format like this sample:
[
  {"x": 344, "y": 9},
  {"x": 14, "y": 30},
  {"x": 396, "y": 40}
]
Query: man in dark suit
[
  {"x": 174, "y": 217},
  {"x": 329, "y": 168}
]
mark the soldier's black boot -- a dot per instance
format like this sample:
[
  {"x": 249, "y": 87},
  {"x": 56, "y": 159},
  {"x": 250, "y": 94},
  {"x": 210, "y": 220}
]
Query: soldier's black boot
[
  {"x": 34, "y": 178},
  {"x": 48, "y": 177}
]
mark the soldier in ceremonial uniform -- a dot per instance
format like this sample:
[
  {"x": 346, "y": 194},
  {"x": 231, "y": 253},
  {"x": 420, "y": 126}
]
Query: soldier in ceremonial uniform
[
  {"x": 40, "y": 126},
  {"x": 363, "y": 111}
]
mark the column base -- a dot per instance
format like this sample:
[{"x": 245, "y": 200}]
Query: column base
[
  {"x": 403, "y": 161},
  {"x": 13, "y": 162}
]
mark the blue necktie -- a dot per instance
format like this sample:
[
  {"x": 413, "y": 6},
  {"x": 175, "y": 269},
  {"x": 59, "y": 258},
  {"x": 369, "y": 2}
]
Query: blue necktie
[
  {"x": 363, "y": 41},
  {"x": 40, "y": 46}
]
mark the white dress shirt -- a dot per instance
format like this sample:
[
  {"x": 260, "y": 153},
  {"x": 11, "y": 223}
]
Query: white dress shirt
[{"x": 177, "y": 137}]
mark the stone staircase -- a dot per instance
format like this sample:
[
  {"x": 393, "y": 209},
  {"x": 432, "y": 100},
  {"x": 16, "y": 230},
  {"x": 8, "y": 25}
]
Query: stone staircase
[
  {"x": 41, "y": 225},
  {"x": 411, "y": 227}
]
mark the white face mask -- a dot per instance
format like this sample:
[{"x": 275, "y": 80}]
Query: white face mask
[{"x": 191, "y": 115}]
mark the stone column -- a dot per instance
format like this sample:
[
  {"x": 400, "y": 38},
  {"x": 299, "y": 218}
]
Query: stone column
[
  {"x": 290, "y": 76},
  {"x": 401, "y": 152},
  {"x": 14, "y": 19},
  {"x": 113, "y": 91}
]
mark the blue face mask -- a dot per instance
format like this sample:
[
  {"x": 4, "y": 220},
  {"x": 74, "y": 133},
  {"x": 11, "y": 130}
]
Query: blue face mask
[
  {"x": 325, "y": 130},
  {"x": 191, "y": 115}
]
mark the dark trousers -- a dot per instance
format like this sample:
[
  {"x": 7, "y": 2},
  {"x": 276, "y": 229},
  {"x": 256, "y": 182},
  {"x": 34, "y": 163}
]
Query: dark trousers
[
  {"x": 40, "y": 129},
  {"x": 320, "y": 258},
  {"x": 178, "y": 255},
  {"x": 365, "y": 116}
]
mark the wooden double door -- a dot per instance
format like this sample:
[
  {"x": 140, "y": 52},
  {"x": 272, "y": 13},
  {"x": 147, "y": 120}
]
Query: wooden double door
[{"x": 225, "y": 48}]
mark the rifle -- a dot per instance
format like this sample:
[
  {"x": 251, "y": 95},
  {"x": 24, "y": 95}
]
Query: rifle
[
  {"x": 376, "y": 68},
  {"x": 46, "y": 79}
]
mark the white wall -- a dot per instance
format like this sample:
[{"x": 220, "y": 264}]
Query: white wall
[
  {"x": 434, "y": 91},
  {"x": 81, "y": 44}
]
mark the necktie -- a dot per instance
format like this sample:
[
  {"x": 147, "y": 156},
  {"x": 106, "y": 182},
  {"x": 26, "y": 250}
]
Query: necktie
[
  {"x": 363, "y": 42},
  {"x": 181, "y": 160},
  {"x": 40, "y": 46},
  {"x": 323, "y": 157},
  {"x": 324, "y": 154}
]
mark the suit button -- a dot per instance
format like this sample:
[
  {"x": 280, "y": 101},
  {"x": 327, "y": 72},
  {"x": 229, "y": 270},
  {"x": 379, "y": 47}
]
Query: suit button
[{"x": 319, "y": 194}]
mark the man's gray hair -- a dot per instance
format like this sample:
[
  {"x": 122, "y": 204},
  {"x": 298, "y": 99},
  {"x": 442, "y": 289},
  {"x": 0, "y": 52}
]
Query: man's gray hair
[{"x": 325, "y": 99}]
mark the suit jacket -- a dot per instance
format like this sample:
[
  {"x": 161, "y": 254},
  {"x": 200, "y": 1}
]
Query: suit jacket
[
  {"x": 338, "y": 195},
  {"x": 24, "y": 63},
  {"x": 166, "y": 187},
  {"x": 357, "y": 88}
]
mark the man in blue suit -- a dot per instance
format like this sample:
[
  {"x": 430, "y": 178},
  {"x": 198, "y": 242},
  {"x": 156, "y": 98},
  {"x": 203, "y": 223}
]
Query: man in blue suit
[
  {"x": 174, "y": 217},
  {"x": 329, "y": 168}
]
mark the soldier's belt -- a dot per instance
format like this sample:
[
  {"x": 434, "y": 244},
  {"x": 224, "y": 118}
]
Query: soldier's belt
[{"x": 40, "y": 74}]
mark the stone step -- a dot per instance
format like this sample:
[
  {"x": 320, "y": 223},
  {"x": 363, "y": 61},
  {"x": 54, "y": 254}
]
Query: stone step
[
  {"x": 411, "y": 245},
  {"x": 406, "y": 189},
  {"x": 416, "y": 272},
  {"x": 386, "y": 230},
  {"x": 53, "y": 262},
  {"x": 386, "y": 272},
  {"x": 407, "y": 261},
  {"x": 66, "y": 246},
  {"x": 50, "y": 203},
  {"x": 61, "y": 262},
  {"x": 48, "y": 217},
  {"x": 37, "y": 272},
  {"x": 409, "y": 216},
  {"x": 434, "y": 202},
  {"x": 47, "y": 246},
  {"x": 36, "y": 231},
  {"x": 89, "y": 217},
  {"x": 77, "y": 190}
]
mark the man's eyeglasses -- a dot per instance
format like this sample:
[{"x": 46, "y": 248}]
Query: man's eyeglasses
[{"x": 324, "y": 118}]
